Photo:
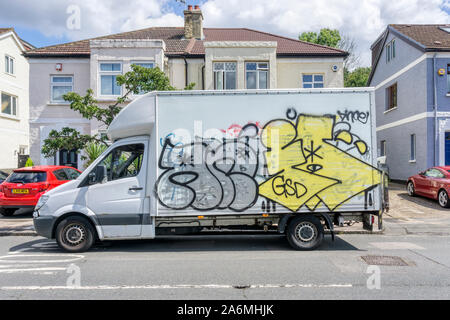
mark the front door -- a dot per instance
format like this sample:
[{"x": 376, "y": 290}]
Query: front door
[
  {"x": 118, "y": 200},
  {"x": 447, "y": 148},
  {"x": 68, "y": 158}
]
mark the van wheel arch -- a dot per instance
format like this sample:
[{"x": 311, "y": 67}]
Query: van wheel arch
[{"x": 72, "y": 214}]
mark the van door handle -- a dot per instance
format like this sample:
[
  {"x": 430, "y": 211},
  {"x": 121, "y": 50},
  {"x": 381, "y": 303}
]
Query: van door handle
[{"x": 135, "y": 188}]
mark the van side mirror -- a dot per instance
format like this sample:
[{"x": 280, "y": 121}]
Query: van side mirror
[{"x": 97, "y": 175}]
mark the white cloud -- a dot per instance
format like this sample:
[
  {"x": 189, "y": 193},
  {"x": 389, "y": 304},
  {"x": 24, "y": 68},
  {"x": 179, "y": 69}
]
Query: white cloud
[{"x": 362, "y": 20}]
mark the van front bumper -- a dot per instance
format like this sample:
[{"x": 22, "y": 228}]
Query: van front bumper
[{"x": 43, "y": 225}]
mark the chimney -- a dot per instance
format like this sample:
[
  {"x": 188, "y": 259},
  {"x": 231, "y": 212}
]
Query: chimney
[{"x": 193, "y": 23}]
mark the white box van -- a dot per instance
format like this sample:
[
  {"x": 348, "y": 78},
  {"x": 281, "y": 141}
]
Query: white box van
[{"x": 290, "y": 161}]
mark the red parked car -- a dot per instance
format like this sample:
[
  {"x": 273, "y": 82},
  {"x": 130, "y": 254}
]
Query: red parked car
[
  {"x": 24, "y": 187},
  {"x": 433, "y": 183}
]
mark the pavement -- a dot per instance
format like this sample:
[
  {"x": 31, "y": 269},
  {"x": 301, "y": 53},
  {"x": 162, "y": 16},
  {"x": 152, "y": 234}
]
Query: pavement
[{"x": 410, "y": 260}]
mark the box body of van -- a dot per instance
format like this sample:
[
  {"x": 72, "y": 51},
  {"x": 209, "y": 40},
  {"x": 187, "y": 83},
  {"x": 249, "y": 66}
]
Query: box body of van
[{"x": 290, "y": 161}]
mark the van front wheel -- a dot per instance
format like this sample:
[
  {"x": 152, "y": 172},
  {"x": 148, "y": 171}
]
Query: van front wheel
[
  {"x": 305, "y": 232},
  {"x": 75, "y": 234}
]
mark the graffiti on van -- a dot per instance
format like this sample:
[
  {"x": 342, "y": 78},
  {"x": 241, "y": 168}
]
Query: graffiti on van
[{"x": 297, "y": 161}]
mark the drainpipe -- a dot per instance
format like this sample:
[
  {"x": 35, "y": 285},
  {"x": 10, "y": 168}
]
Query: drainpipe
[
  {"x": 203, "y": 77},
  {"x": 185, "y": 72},
  {"x": 436, "y": 132}
]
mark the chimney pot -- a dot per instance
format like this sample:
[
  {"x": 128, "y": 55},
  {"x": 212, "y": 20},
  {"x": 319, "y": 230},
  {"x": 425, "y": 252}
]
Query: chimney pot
[
  {"x": 193, "y": 23},
  {"x": 190, "y": 7},
  {"x": 197, "y": 7}
]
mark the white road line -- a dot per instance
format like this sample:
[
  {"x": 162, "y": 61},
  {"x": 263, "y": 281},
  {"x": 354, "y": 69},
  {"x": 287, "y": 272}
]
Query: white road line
[
  {"x": 14, "y": 258},
  {"x": 30, "y": 270},
  {"x": 395, "y": 245},
  {"x": 181, "y": 286}
]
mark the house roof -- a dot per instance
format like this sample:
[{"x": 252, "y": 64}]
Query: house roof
[
  {"x": 177, "y": 45},
  {"x": 24, "y": 43},
  {"x": 431, "y": 37},
  {"x": 425, "y": 37}
]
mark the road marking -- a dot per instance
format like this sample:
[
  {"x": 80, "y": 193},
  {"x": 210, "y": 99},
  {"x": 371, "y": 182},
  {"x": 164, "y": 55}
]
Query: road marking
[
  {"x": 181, "y": 286},
  {"x": 395, "y": 245},
  {"x": 30, "y": 270},
  {"x": 15, "y": 258}
]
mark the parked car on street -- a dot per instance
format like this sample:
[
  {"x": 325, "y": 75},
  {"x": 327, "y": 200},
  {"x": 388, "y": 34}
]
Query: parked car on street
[
  {"x": 3, "y": 176},
  {"x": 432, "y": 183},
  {"x": 24, "y": 187}
]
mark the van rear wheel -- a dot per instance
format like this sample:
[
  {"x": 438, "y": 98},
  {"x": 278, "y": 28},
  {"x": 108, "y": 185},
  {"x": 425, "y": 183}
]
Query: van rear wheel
[
  {"x": 305, "y": 232},
  {"x": 75, "y": 234}
]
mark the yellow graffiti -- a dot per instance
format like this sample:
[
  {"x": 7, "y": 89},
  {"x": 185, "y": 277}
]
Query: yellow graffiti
[{"x": 307, "y": 169}]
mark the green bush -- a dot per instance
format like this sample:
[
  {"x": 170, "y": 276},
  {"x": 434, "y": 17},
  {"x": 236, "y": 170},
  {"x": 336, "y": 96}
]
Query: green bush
[{"x": 29, "y": 162}]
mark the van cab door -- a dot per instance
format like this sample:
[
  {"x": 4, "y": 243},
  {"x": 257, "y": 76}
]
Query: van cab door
[{"x": 116, "y": 189}]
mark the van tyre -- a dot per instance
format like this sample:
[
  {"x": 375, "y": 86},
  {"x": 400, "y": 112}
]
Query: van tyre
[
  {"x": 305, "y": 232},
  {"x": 443, "y": 199},
  {"x": 75, "y": 234},
  {"x": 410, "y": 189},
  {"x": 7, "y": 212}
]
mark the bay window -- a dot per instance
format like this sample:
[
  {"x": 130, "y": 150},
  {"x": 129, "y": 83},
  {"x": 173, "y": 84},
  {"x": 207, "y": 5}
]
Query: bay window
[
  {"x": 256, "y": 75},
  {"x": 224, "y": 75}
]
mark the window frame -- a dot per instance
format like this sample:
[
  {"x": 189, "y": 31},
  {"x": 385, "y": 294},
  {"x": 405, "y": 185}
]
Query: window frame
[
  {"x": 108, "y": 73},
  {"x": 60, "y": 84},
  {"x": 391, "y": 98},
  {"x": 16, "y": 99},
  {"x": 383, "y": 145},
  {"x": 257, "y": 71},
  {"x": 412, "y": 147},
  {"x": 313, "y": 81},
  {"x": 224, "y": 71},
  {"x": 448, "y": 78},
  {"x": 390, "y": 50},
  {"x": 11, "y": 62}
]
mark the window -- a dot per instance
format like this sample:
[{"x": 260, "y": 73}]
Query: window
[
  {"x": 434, "y": 173},
  {"x": 72, "y": 174},
  {"x": 390, "y": 51},
  {"x": 9, "y": 104},
  {"x": 391, "y": 97},
  {"x": 9, "y": 64},
  {"x": 108, "y": 79},
  {"x": 123, "y": 161},
  {"x": 61, "y": 175},
  {"x": 256, "y": 75},
  {"x": 148, "y": 65},
  {"x": 312, "y": 81},
  {"x": 60, "y": 85},
  {"x": 224, "y": 75},
  {"x": 383, "y": 148},
  {"x": 412, "y": 156},
  {"x": 27, "y": 177}
]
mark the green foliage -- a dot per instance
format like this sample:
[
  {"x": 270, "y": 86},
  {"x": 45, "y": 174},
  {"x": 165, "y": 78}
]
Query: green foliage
[
  {"x": 93, "y": 150},
  {"x": 138, "y": 80},
  {"x": 357, "y": 77},
  {"x": 29, "y": 162},
  {"x": 327, "y": 37}
]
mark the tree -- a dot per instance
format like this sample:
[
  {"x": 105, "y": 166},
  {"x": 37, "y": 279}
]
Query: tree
[
  {"x": 326, "y": 37},
  {"x": 138, "y": 80},
  {"x": 357, "y": 77},
  {"x": 29, "y": 162}
]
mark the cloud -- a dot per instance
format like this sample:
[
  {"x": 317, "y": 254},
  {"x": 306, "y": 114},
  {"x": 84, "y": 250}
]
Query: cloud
[{"x": 362, "y": 20}]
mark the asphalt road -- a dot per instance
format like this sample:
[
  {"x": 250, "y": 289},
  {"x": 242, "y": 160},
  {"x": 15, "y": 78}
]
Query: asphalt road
[{"x": 227, "y": 267}]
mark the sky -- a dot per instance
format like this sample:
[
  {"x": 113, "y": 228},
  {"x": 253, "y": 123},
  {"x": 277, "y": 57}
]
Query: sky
[{"x": 48, "y": 22}]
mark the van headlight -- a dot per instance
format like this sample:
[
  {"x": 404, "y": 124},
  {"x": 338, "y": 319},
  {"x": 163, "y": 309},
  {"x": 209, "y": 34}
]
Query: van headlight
[{"x": 42, "y": 200}]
